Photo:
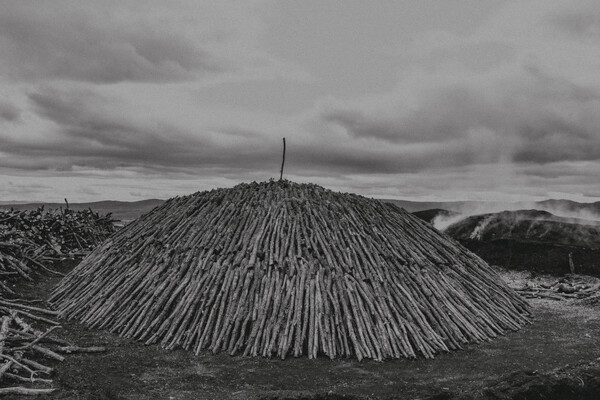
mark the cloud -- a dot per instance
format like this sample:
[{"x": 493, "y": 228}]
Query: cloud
[
  {"x": 117, "y": 41},
  {"x": 511, "y": 109},
  {"x": 580, "y": 20},
  {"x": 84, "y": 129},
  {"x": 9, "y": 112},
  {"x": 494, "y": 97}
]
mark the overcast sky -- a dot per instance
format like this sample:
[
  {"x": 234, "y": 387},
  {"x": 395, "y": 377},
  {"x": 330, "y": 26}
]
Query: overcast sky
[{"x": 423, "y": 100}]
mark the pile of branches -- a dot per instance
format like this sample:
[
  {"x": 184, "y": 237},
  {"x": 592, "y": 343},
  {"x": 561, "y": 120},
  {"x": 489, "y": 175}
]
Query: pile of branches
[
  {"x": 568, "y": 287},
  {"x": 34, "y": 240},
  {"x": 279, "y": 268},
  {"x": 25, "y": 347}
]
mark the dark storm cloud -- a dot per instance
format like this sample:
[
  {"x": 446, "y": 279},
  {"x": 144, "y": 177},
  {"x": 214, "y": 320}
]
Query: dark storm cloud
[
  {"x": 95, "y": 132},
  {"x": 357, "y": 124},
  {"x": 9, "y": 112},
  {"x": 582, "y": 24},
  {"x": 514, "y": 101},
  {"x": 335, "y": 158},
  {"x": 102, "y": 42},
  {"x": 91, "y": 132},
  {"x": 88, "y": 130},
  {"x": 552, "y": 140},
  {"x": 540, "y": 120},
  {"x": 532, "y": 118},
  {"x": 441, "y": 116},
  {"x": 516, "y": 93},
  {"x": 574, "y": 172},
  {"x": 536, "y": 119}
]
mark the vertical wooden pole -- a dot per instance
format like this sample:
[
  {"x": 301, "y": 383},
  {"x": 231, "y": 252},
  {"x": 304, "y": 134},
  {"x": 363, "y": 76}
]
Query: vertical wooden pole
[
  {"x": 283, "y": 161},
  {"x": 571, "y": 264}
]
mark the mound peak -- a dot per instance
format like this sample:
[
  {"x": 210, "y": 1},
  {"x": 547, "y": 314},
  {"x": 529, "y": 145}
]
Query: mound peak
[{"x": 281, "y": 268}]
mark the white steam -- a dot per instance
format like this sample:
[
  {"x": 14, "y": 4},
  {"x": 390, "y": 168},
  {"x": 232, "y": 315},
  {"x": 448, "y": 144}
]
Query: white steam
[{"x": 442, "y": 222}]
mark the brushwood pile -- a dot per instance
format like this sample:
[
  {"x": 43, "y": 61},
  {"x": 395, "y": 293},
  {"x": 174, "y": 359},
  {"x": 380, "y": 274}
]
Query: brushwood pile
[
  {"x": 286, "y": 269},
  {"x": 33, "y": 240},
  {"x": 27, "y": 345},
  {"x": 31, "y": 243}
]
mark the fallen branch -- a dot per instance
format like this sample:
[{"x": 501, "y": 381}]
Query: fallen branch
[
  {"x": 47, "y": 352},
  {"x": 25, "y": 391},
  {"x": 19, "y": 378},
  {"x": 77, "y": 349},
  {"x": 28, "y": 308},
  {"x": 20, "y": 342}
]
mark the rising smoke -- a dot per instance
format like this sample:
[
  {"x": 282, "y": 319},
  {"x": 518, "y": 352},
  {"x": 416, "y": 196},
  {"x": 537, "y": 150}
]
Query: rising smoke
[{"x": 574, "y": 212}]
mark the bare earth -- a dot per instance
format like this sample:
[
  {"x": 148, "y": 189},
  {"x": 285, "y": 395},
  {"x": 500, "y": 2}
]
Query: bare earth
[{"x": 559, "y": 351}]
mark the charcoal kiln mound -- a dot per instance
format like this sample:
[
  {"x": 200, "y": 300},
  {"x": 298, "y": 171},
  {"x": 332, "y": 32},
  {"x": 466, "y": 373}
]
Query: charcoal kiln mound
[{"x": 279, "y": 269}]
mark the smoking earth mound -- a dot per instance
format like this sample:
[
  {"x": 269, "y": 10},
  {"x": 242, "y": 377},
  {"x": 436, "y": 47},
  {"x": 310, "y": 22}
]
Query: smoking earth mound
[{"x": 280, "y": 268}]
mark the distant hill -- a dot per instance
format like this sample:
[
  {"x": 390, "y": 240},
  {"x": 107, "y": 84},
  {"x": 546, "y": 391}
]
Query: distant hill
[
  {"x": 121, "y": 210},
  {"x": 569, "y": 206},
  {"x": 528, "y": 226},
  {"x": 534, "y": 240},
  {"x": 563, "y": 208},
  {"x": 414, "y": 206},
  {"x": 127, "y": 211}
]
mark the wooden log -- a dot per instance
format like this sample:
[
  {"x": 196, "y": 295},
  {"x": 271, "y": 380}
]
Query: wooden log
[
  {"x": 25, "y": 391},
  {"x": 78, "y": 349}
]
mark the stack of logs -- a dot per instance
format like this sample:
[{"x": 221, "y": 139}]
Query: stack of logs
[
  {"x": 30, "y": 242},
  {"x": 34, "y": 240},
  {"x": 568, "y": 287},
  {"x": 279, "y": 268},
  {"x": 23, "y": 345}
]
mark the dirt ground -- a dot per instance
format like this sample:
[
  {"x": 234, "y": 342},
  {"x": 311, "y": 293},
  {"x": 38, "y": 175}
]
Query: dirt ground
[{"x": 556, "y": 357}]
